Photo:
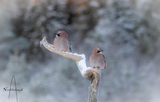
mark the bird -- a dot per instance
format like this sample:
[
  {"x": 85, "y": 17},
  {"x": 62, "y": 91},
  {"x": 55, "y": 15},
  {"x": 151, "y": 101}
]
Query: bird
[
  {"x": 97, "y": 59},
  {"x": 61, "y": 42}
]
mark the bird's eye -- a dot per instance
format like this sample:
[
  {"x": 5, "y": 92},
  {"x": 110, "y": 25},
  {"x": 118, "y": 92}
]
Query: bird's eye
[
  {"x": 58, "y": 34},
  {"x": 98, "y": 51}
]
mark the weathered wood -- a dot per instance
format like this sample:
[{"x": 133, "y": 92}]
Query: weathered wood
[
  {"x": 87, "y": 72},
  {"x": 94, "y": 77},
  {"x": 51, "y": 48}
]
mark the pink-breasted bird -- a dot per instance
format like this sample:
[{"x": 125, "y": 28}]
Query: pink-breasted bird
[
  {"x": 97, "y": 59},
  {"x": 61, "y": 42}
]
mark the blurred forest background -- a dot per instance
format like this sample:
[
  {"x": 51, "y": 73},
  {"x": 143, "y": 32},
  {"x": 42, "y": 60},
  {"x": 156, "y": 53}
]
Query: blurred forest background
[{"x": 127, "y": 30}]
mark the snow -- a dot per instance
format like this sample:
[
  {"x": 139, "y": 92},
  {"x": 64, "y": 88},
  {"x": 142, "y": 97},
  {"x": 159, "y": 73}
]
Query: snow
[{"x": 82, "y": 64}]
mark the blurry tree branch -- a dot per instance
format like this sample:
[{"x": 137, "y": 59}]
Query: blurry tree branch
[{"x": 87, "y": 72}]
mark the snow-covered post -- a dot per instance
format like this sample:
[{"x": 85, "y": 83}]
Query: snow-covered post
[{"x": 87, "y": 72}]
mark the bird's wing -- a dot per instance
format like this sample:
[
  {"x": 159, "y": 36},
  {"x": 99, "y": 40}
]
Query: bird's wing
[
  {"x": 70, "y": 47},
  {"x": 105, "y": 61}
]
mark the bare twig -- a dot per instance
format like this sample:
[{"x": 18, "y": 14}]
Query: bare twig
[{"x": 87, "y": 72}]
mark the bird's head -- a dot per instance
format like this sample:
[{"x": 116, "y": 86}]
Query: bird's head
[
  {"x": 61, "y": 34},
  {"x": 97, "y": 50}
]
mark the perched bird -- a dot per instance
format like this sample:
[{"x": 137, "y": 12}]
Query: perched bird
[
  {"x": 97, "y": 59},
  {"x": 61, "y": 42}
]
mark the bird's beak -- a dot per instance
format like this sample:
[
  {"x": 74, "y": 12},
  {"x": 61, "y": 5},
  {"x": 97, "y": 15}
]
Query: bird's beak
[{"x": 101, "y": 51}]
